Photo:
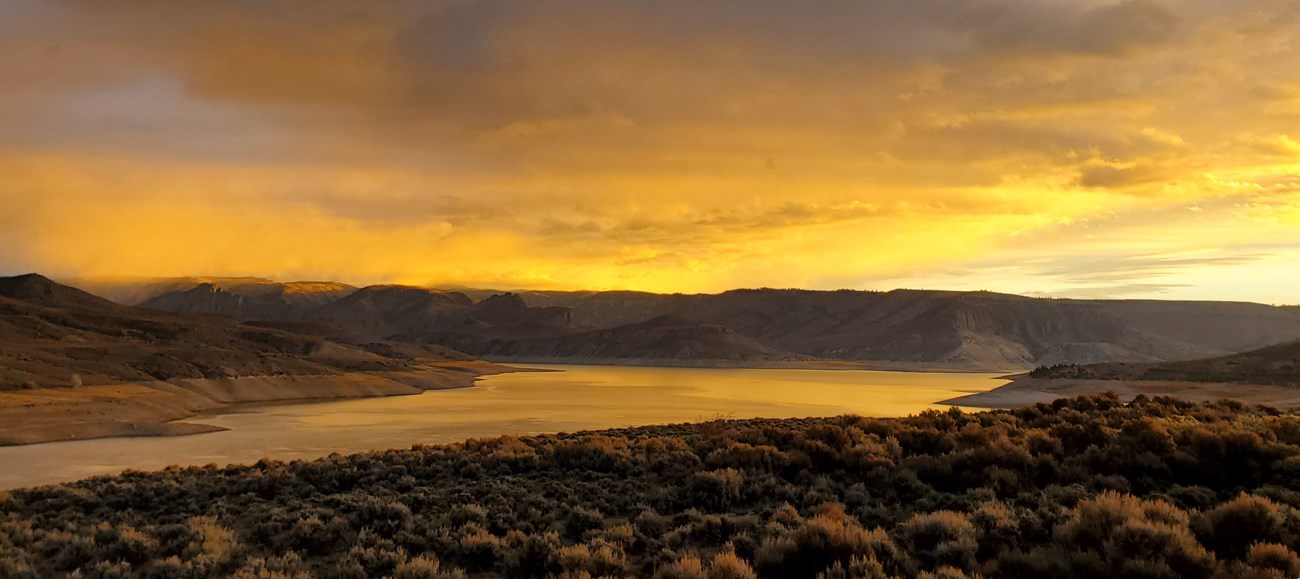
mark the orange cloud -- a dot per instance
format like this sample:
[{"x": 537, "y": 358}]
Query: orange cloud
[{"x": 666, "y": 145}]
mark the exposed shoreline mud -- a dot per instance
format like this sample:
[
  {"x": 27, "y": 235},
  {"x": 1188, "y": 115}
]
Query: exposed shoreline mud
[
  {"x": 163, "y": 408},
  {"x": 877, "y": 366}
]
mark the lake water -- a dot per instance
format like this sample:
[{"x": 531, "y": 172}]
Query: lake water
[{"x": 569, "y": 399}]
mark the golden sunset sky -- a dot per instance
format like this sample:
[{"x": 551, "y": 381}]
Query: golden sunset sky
[{"x": 1073, "y": 148}]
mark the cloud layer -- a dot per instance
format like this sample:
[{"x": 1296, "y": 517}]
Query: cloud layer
[{"x": 669, "y": 145}]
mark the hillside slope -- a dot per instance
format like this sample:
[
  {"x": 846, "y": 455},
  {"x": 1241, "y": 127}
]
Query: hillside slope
[
  {"x": 55, "y": 335},
  {"x": 978, "y": 329},
  {"x": 662, "y": 339},
  {"x": 75, "y": 366},
  {"x": 1276, "y": 365}
]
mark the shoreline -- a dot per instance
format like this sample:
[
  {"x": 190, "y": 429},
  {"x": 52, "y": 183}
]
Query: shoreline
[
  {"x": 166, "y": 408},
  {"x": 871, "y": 366},
  {"x": 1026, "y": 391},
  {"x": 177, "y": 407}
]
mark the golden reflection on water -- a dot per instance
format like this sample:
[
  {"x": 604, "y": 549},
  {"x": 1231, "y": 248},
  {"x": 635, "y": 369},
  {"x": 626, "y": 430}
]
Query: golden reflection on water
[{"x": 575, "y": 398}]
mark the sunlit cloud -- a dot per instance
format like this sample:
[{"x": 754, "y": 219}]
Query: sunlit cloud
[{"x": 664, "y": 145}]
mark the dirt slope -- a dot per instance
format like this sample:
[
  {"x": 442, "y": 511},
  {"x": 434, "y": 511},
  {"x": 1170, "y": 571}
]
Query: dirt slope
[
  {"x": 1277, "y": 365},
  {"x": 55, "y": 335},
  {"x": 73, "y": 365}
]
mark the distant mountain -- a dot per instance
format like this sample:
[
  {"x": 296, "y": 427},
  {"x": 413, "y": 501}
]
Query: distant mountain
[
  {"x": 967, "y": 329},
  {"x": 55, "y": 335},
  {"x": 500, "y": 317},
  {"x": 665, "y": 338},
  {"x": 970, "y": 330},
  {"x": 37, "y": 289},
  {"x": 268, "y": 301},
  {"x": 510, "y": 311},
  {"x": 133, "y": 291},
  {"x": 1278, "y": 365},
  {"x": 385, "y": 310}
]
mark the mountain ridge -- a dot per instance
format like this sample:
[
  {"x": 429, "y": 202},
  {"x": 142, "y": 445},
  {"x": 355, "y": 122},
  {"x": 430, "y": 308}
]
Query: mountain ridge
[
  {"x": 965, "y": 329},
  {"x": 55, "y": 335}
]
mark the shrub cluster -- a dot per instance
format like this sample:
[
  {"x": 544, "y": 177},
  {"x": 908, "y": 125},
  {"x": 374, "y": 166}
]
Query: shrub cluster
[{"x": 1088, "y": 487}]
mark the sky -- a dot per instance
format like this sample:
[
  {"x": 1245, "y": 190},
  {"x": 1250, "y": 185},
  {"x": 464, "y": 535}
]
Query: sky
[{"x": 1066, "y": 148}]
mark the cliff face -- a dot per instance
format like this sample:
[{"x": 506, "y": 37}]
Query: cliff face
[
  {"x": 256, "y": 301},
  {"x": 381, "y": 311}
]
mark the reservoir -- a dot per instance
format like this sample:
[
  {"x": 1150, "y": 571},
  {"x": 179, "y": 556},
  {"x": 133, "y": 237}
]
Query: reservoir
[{"x": 559, "y": 399}]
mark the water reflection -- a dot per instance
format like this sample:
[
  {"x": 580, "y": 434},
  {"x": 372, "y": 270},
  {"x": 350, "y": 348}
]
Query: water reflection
[{"x": 569, "y": 399}]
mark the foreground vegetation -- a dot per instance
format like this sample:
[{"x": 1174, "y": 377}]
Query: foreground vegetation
[{"x": 1082, "y": 488}]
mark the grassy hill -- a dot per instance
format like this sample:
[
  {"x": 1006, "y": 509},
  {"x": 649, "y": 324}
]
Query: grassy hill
[{"x": 1277, "y": 365}]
